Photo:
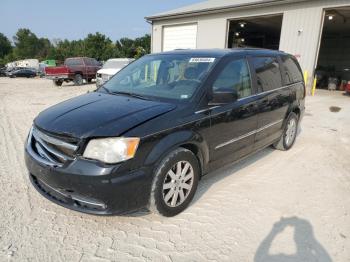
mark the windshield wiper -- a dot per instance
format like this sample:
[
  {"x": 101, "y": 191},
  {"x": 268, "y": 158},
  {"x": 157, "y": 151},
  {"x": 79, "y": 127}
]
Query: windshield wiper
[
  {"x": 107, "y": 90},
  {"x": 128, "y": 94}
]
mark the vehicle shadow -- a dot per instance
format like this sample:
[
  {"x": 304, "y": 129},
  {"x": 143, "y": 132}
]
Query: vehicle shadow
[
  {"x": 308, "y": 249},
  {"x": 228, "y": 170}
]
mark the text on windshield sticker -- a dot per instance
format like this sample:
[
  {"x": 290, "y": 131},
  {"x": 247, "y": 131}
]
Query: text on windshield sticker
[{"x": 202, "y": 60}]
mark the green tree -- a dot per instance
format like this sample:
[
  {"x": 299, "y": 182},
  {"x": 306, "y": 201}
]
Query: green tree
[
  {"x": 144, "y": 42},
  {"x": 26, "y": 44},
  {"x": 127, "y": 47},
  {"x": 45, "y": 49},
  {"x": 139, "y": 52},
  {"x": 5, "y": 46},
  {"x": 65, "y": 48},
  {"x": 98, "y": 46},
  {"x": 124, "y": 47}
]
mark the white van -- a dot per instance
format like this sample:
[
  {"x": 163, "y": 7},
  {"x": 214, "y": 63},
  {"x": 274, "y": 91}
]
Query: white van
[{"x": 110, "y": 68}]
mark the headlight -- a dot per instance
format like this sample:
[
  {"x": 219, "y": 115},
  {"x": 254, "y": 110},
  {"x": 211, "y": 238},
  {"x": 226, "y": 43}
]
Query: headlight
[{"x": 112, "y": 150}]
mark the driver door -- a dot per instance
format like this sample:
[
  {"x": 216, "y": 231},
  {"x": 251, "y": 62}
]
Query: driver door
[{"x": 233, "y": 125}]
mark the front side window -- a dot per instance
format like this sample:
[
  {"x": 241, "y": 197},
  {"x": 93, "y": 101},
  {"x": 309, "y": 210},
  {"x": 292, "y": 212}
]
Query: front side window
[
  {"x": 235, "y": 76},
  {"x": 175, "y": 77},
  {"x": 268, "y": 73},
  {"x": 292, "y": 70}
]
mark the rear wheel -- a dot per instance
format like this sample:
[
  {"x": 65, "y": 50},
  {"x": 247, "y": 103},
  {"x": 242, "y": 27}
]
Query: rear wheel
[
  {"x": 57, "y": 82},
  {"x": 289, "y": 133},
  {"x": 175, "y": 183},
  {"x": 78, "y": 79}
]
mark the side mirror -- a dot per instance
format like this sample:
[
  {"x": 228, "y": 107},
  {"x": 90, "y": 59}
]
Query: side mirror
[{"x": 223, "y": 96}]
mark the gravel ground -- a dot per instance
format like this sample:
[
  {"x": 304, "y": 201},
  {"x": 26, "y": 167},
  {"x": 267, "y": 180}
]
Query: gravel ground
[{"x": 272, "y": 206}]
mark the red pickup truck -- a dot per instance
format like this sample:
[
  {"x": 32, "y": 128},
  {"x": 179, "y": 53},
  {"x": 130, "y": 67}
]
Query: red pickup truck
[{"x": 75, "y": 69}]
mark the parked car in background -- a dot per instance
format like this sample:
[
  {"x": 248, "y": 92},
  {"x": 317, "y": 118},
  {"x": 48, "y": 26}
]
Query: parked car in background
[
  {"x": 41, "y": 71},
  {"x": 110, "y": 68},
  {"x": 22, "y": 72},
  {"x": 3, "y": 71},
  {"x": 75, "y": 69},
  {"x": 145, "y": 138},
  {"x": 347, "y": 88}
]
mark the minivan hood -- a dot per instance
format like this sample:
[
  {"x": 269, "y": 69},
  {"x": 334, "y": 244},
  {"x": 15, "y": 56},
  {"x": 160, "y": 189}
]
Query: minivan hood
[{"x": 99, "y": 115}]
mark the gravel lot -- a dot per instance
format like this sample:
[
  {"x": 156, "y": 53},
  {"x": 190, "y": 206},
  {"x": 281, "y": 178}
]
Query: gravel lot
[{"x": 272, "y": 206}]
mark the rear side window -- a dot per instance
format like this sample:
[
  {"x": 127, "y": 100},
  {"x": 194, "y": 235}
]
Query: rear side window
[
  {"x": 74, "y": 62},
  {"x": 292, "y": 70},
  {"x": 91, "y": 62},
  {"x": 235, "y": 76},
  {"x": 95, "y": 62},
  {"x": 268, "y": 73}
]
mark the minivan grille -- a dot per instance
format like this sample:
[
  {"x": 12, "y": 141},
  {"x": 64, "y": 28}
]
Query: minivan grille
[{"x": 49, "y": 149}]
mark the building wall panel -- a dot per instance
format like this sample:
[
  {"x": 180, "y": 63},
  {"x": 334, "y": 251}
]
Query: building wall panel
[{"x": 307, "y": 16}]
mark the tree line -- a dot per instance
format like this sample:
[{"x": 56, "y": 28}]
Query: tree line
[{"x": 27, "y": 45}]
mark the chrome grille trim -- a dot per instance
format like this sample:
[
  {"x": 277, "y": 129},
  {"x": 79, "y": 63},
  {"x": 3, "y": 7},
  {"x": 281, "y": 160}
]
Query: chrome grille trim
[
  {"x": 42, "y": 152},
  {"x": 38, "y": 146},
  {"x": 53, "y": 140},
  {"x": 51, "y": 149}
]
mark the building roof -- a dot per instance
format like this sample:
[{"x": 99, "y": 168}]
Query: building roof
[{"x": 214, "y": 6}]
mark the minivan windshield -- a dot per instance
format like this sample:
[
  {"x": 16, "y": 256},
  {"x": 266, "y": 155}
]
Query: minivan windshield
[{"x": 175, "y": 77}]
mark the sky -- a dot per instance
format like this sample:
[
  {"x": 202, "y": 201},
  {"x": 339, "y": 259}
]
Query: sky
[{"x": 74, "y": 19}]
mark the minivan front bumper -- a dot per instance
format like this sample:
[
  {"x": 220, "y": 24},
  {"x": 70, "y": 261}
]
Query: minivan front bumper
[{"x": 89, "y": 187}]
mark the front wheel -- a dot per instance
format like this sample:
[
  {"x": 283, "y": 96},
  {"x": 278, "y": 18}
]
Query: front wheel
[
  {"x": 175, "y": 183},
  {"x": 289, "y": 133},
  {"x": 57, "y": 82}
]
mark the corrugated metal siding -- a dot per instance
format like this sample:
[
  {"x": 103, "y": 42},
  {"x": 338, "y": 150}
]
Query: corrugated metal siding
[
  {"x": 303, "y": 44},
  {"x": 309, "y": 18},
  {"x": 212, "y": 28}
]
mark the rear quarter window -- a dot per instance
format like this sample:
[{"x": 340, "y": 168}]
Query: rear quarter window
[
  {"x": 74, "y": 62},
  {"x": 292, "y": 70},
  {"x": 267, "y": 70}
]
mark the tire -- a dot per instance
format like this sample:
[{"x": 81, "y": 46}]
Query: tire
[
  {"x": 289, "y": 134},
  {"x": 166, "y": 175},
  {"x": 57, "y": 82},
  {"x": 78, "y": 79}
]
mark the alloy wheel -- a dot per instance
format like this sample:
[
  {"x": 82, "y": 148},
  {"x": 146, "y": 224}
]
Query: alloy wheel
[
  {"x": 178, "y": 183},
  {"x": 291, "y": 131}
]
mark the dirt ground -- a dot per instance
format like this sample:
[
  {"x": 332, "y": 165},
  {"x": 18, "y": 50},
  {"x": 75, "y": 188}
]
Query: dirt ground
[{"x": 272, "y": 206}]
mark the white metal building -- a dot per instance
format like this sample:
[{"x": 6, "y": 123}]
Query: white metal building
[{"x": 317, "y": 32}]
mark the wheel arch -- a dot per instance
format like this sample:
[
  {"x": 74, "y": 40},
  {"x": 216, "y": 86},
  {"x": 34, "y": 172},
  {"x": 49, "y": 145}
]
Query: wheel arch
[
  {"x": 293, "y": 108},
  {"x": 186, "y": 139}
]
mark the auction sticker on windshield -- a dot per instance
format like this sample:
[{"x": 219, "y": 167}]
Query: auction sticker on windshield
[{"x": 202, "y": 60}]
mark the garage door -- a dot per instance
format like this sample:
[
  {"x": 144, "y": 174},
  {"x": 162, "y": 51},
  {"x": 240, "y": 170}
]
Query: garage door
[{"x": 179, "y": 37}]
